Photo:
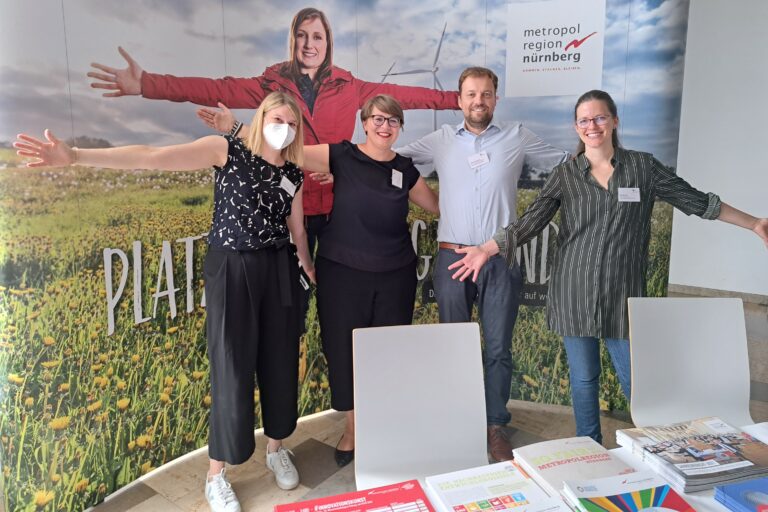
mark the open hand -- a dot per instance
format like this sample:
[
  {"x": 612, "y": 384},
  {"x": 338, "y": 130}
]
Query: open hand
[
  {"x": 124, "y": 82},
  {"x": 470, "y": 264},
  {"x": 53, "y": 153},
  {"x": 221, "y": 120}
]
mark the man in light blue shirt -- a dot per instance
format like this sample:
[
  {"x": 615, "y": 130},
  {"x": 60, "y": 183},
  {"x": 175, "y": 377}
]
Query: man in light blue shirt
[{"x": 479, "y": 163}]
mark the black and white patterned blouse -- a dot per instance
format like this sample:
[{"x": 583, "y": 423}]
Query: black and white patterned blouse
[{"x": 251, "y": 200}]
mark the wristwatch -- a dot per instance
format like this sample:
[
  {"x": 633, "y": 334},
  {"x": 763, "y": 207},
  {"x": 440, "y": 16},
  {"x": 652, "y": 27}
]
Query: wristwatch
[{"x": 235, "y": 129}]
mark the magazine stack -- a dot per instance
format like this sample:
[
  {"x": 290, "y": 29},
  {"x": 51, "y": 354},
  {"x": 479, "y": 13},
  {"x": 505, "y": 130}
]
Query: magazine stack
[
  {"x": 550, "y": 463},
  {"x": 624, "y": 493},
  {"x": 697, "y": 455}
]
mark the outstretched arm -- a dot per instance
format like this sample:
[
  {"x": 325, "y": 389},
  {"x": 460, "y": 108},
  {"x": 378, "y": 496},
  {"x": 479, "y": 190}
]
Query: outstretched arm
[
  {"x": 409, "y": 97},
  {"x": 683, "y": 196},
  {"x": 202, "y": 153},
  {"x": 295, "y": 224},
  {"x": 744, "y": 220},
  {"x": 133, "y": 80}
]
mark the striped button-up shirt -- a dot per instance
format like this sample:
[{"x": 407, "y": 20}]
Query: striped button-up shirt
[
  {"x": 477, "y": 200},
  {"x": 603, "y": 241}
]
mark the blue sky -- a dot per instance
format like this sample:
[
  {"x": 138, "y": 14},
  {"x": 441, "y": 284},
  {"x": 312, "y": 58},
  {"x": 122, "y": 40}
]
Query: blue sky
[{"x": 45, "y": 52}]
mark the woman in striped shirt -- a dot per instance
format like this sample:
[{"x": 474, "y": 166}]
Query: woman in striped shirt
[{"x": 605, "y": 195}]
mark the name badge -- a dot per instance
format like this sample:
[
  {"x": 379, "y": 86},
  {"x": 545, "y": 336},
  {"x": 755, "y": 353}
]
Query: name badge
[
  {"x": 629, "y": 195},
  {"x": 289, "y": 187},
  {"x": 478, "y": 159},
  {"x": 397, "y": 178}
]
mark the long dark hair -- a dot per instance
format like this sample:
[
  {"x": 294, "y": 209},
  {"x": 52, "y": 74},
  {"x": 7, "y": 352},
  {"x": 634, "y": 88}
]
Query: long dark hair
[
  {"x": 603, "y": 96},
  {"x": 292, "y": 68}
]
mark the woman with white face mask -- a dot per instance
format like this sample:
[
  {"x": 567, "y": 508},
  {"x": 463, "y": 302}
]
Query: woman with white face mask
[{"x": 251, "y": 276}]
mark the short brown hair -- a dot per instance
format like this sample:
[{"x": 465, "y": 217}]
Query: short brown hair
[
  {"x": 386, "y": 104},
  {"x": 480, "y": 72}
]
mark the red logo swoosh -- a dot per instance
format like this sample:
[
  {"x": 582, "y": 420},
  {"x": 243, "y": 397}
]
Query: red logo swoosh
[{"x": 577, "y": 42}]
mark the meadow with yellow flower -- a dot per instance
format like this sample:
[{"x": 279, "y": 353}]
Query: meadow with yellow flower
[{"x": 83, "y": 412}]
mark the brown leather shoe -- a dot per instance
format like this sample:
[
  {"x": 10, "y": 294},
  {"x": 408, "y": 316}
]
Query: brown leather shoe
[{"x": 498, "y": 443}]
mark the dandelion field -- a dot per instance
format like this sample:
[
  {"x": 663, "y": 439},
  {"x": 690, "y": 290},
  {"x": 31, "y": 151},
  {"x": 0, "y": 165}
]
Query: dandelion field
[{"x": 83, "y": 413}]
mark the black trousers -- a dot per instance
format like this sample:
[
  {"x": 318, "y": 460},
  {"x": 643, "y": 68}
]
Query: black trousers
[
  {"x": 348, "y": 299},
  {"x": 253, "y": 327}
]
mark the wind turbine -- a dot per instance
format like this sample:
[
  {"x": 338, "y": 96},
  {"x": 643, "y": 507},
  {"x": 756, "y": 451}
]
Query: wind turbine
[
  {"x": 385, "y": 75},
  {"x": 435, "y": 81}
]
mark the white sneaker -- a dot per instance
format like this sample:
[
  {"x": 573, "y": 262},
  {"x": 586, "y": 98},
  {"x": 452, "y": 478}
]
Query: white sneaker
[
  {"x": 219, "y": 493},
  {"x": 286, "y": 475}
]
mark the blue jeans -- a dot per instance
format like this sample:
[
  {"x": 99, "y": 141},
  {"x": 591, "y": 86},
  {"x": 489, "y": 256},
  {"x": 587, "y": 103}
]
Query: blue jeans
[
  {"x": 584, "y": 363},
  {"x": 497, "y": 292}
]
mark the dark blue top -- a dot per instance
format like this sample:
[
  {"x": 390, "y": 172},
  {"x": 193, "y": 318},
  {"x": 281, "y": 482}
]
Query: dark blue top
[
  {"x": 368, "y": 228},
  {"x": 251, "y": 200}
]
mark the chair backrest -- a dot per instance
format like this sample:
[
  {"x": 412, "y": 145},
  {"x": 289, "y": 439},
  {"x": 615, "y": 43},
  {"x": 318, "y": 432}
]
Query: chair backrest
[
  {"x": 689, "y": 360},
  {"x": 419, "y": 402}
]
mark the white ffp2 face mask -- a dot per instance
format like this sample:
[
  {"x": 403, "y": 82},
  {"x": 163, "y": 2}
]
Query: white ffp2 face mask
[{"x": 279, "y": 135}]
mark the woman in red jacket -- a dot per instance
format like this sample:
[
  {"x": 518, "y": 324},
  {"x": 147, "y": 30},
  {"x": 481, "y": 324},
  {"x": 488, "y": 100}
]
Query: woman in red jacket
[{"x": 329, "y": 97}]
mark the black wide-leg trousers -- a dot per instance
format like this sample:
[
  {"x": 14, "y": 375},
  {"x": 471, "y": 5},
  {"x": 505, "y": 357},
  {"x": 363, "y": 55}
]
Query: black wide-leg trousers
[
  {"x": 253, "y": 327},
  {"x": 348, "y": 299}
]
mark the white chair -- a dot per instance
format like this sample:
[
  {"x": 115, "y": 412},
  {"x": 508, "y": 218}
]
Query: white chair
[
  {"x": 689, "y": 360},
  {"x": 419, "y": 402}
]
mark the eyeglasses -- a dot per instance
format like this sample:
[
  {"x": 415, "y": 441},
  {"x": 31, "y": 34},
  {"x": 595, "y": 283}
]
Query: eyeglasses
[
  {"x": 394, "y": 122},
  {"x": 584, "y": 122}
]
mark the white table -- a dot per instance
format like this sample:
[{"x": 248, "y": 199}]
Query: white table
[{"x": 703, "y": 501}]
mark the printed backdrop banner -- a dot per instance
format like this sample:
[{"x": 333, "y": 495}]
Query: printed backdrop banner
[
  {"x": 103, "y": 366},
  {"x": 555, "y": 47}
]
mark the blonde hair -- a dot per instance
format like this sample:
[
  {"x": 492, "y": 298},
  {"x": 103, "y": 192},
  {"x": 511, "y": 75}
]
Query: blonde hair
[{"x": 294, "y": 152}]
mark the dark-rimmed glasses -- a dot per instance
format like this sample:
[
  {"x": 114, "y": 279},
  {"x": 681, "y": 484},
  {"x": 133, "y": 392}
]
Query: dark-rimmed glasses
[{"x": 394, "y": 122}]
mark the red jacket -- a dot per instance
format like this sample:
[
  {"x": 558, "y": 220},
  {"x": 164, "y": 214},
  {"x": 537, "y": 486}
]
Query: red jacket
[{"x": 339, "y": 98}]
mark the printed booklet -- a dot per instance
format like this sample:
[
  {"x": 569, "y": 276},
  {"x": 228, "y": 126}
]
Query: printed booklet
[
  {"x": 492, "y": 488},
  {"x": 698, "y": 454},
  {"x": 403, "y": 497},
  {"x": 643, "y": 490},
  {"x": 550, "y": 463}
]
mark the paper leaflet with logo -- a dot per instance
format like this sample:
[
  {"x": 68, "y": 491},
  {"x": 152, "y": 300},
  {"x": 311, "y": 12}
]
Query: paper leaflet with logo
[
  {"x": 405, "y": 496},
  {"x": 492, "y": 488},
  {"x": 642, "y": 490}
]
